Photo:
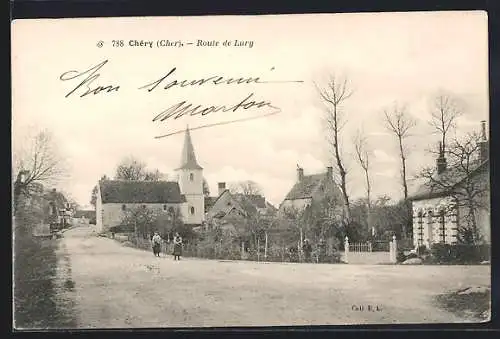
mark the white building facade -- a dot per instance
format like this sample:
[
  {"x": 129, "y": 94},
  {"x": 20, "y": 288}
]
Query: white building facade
[{"x": 115, "y": 197}]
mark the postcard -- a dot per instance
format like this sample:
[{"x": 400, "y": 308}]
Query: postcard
[{"x": 243, "y": 171}]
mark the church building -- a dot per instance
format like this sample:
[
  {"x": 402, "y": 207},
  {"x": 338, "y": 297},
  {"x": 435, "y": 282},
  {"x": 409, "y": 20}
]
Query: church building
[{"x": 185, "y": 194}]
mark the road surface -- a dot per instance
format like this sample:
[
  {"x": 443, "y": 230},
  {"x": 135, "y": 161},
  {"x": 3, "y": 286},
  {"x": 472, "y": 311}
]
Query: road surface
[{"x": 113, "y": 286}]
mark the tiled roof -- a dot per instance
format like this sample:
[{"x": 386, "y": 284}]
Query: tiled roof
[
  {"x": 308, "y": 186},
  {"x": 224, "y": 204},
  {"x": 240, "y": 203},
  {"x": 123, "y": 191},
  {"x": 255, "y": 199},
  {"x": 442, "y": 182},
  {"x": 209, "y": 202}
]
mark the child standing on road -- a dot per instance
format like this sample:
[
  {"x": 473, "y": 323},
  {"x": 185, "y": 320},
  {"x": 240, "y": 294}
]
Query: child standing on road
[{"x": 177, "y": 247}]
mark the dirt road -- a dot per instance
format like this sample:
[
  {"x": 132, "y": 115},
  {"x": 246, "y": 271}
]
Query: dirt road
[{"x": 116, "y": 287}]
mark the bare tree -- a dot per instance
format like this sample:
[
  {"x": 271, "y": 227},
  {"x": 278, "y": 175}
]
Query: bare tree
[
  {"x": 142, "y": 219},
  {"x": 363, "y": 158},
  {"x": 133, "y": 169},
  {"x": 400, "y": 124},
  {"x": 39, "y": 164},
  {"x": 247, "y": 188},
  {"x": 334, "y": 94},
  {"x": 444, "y": 114},
  {"x": 154, "y": 175},
  {"x": 206, "y": 188},
  {"x": 462, "y": 181},
  {"x": 95, "y": 190},
  {"x": 130, "y": 169}
]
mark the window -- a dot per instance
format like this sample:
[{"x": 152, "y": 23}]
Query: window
[
  {"x": 420, "y": 228},
  {"x": 143, "y": 206},
  {"x": 191, "y": 176},
  {"x": 124, "y": 207},
  {"x": 164, "y": 207},
  {"x": 430, "y": 217},
  {"x": 442, "y": 226},
  {"x": 192, "y": 210}
]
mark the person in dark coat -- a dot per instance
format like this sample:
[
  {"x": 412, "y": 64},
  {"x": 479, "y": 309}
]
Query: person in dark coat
[{"x": 177, "y": 247}]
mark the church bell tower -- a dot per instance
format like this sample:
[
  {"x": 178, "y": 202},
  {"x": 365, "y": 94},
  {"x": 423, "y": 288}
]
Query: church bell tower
[{"x": 190, "y": 178}]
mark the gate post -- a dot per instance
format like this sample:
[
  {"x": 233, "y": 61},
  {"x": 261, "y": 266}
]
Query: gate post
[
  {"x": 346, "y": 249},
  {"x": 393, "y": 248}
]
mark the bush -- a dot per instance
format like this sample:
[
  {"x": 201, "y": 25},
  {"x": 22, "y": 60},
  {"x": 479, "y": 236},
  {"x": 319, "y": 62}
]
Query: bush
[
  {"x": 333, "y": 258},
  {"x": 423, "y": 250},
  {"x": 401, "y": 257},
  {"x": 459, "y": 253},
  {"x": 412, "y": 256}
]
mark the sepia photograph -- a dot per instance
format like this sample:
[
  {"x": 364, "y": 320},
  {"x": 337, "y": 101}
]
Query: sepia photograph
[{"x": 251, "y": 171}]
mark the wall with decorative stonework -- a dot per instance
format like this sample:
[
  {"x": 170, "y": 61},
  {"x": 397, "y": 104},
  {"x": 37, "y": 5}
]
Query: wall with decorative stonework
[{"x": 434, "y": 221}]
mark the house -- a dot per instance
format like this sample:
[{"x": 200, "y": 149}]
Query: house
[
  {"x": 84, "y": 217},
  {"x": 437, "y": 210},
  {"x": 185, "y": 194},
  {"x": 309, "y": 189},
  {"x": 229, "y": 207}
]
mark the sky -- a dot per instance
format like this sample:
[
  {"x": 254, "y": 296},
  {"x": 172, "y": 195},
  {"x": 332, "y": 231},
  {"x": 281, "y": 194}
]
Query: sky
[{"x": 387, "y": 58}]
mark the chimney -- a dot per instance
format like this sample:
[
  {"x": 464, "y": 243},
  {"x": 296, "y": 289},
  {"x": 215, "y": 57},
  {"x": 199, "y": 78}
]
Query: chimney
[
  {"x": 329, "y": 172},
  {"x": 21, "y": 178},
  {"x": 484, "y": 144},
  {"x": 300, "y": 174},
  {"x": 222, "y": 187},
  {"x": 441, "y": 160}
]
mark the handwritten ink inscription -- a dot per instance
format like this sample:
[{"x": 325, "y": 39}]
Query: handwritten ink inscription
[
  {"x": 85, "y": 83},
  {"x": 89, "y": 77}
]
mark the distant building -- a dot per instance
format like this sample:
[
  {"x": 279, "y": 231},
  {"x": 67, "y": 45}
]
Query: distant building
[
  {"x": 313, "y": 188},
  {"x": 114, "y": 197},
  {"x": 57, "y": 209},
  {"x": 436, "y": 214},
  {"x": 84, "y": 217},
  {"x": 228, "y": 207}
]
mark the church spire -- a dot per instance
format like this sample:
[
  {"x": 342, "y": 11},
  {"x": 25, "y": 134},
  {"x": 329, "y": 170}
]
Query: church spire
[{"x": 188, "y": 158}]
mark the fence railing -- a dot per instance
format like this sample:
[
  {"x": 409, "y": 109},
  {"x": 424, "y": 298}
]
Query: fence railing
[{"x": 360, "y": 247}]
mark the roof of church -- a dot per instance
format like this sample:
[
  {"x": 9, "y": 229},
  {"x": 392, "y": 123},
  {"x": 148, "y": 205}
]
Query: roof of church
[
  {"x": 188, "y": 158},
  {"x": 309, "y": 185},
  {"x": 444, "y": 182},
  {"x": 127, "y": 191}
]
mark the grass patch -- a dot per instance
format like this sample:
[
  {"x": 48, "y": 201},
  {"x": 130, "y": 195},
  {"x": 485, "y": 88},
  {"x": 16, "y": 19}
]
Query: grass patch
[
  {"x": 36, "y": 297},
  {"x": 474, "y": 304}
]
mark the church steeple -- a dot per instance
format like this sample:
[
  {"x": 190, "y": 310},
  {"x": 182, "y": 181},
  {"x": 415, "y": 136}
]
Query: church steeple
[{"x": 188, "y": 158}]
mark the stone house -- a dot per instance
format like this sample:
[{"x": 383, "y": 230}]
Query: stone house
[
  {"x": 313, "y": 188},
  {"x": 437, "y": 215},
  {"x": 114, "y": 197},
  {"x": 227, "y": 208}
]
